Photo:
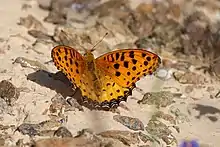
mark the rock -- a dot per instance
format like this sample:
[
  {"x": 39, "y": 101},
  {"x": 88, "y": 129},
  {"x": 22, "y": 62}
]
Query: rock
[
  {"x": 131, "y": 123},
  {"x": 9, "y": 92}
]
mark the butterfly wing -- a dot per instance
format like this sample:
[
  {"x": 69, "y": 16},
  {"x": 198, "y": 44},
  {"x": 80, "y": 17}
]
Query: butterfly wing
[
  {"x": 127, "y": 66},
  {"x": 111, "y": 93},
  {"x": 70, "y": 62}
]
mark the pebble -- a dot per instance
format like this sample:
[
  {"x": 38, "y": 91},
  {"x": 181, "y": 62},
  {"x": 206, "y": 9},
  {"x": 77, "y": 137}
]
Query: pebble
[{"x": 130, "y": 122}]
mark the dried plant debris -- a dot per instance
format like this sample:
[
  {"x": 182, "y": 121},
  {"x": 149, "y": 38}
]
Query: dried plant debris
[
  {"x": 160, "y": 99},
  {"x": 154, "y": 19},
  {"x": 126, "y": 137},
  {"x": 182, "y": 65},
  {"x": 124, "y": 45},
  {"x": 150, "y": 42},
  {"x": 55, "y": 17},
  {"x": 42, "y": 43},
  {"x": 116, "y": 28},
  {"x": 189, "y": 78},
  {"x": 117, "y": 9},
  {"x": 36, "y": 65},
  {"x": 82, "y": 40},
  {"x": 164, "y": 23},
  {"x": 39, "y": 35},
  {"x": 31, "y": 23},
  {"x": 9, "y": 92},
  {"x": 131, "y": 123},
  {"x": 57, "y": 13},
  {"x": 162, "y": 131},
  {"x": 66, "y": 35}
]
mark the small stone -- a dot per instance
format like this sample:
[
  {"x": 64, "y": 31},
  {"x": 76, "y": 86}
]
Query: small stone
[
  {"x": 163, "y": 74},
  {"x": 189, "y": 89},
  {"x": 167, "y": 117},
  {"x": 189, "y": 78},
  {"x": 36, "y": 65},
  {"x": 44, "y": 4},
  {"x": 63, "y": 132},
  {"x": 9, "y": 92},
  {"x": 29, "y": 129},
  {"x": 160, "y": 99},
  {"x": 161, "y": 130},
  {"x": 131, "y": 123},
  {"x": 31, "y": 23},
  {"x": 126, "y": 137}
]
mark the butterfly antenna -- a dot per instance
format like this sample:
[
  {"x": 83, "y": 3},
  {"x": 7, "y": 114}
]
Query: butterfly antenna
[{"x": 98, "y": 42}]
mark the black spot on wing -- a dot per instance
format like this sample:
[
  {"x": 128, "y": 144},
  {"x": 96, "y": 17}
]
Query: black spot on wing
[
  {"x": 131, "y": 54},
  {"x": 76, "y": 63},
  {"x": 126, "y": 64},
  {"x": 108, "y": 84},
  {"x": 134, "y": 61},
  {"x": 116, "y": 66},
  {"x": 65, "y": 57},
  {"x": 67, "y": 64},
  {"x": 134, "y": 68},
  {"x": 128, "y": 73},
  {"x": 117, "y": 73},
  {"x": 145, "y": 63},
  {"x": 71, "y": 61},
  {"x": 122, "y": 56},
  {"x": 148, "y": 58},
  {"x": 66, "y": 50},
  {"x": 117, "y": 55}
]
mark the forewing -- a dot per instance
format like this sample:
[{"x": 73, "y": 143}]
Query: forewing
[
  {"x": 70, "y": 62},
  {"x": 127, "y": 66}
]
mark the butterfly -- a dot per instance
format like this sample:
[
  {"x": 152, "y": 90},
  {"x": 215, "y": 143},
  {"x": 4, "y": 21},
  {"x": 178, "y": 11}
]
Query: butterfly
[{"x": 108, "y": 79}]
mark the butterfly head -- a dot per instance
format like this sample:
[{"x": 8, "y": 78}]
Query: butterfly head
[{"x": 89, "y": 55}]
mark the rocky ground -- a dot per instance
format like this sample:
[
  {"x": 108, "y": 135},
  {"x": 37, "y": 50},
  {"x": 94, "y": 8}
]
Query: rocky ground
[{"x": 181, "y": 100}]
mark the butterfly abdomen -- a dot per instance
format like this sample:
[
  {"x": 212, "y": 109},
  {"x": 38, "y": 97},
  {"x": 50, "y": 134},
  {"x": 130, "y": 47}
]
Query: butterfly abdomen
[{"x": 93, "y": 76}]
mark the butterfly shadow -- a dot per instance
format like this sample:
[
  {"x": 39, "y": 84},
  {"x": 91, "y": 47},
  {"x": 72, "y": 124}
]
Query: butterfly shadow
[
  {"x": 59, "y": 83},
  {"x": 55, "y": 81}
]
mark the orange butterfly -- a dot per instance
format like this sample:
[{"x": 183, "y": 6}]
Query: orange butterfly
[{"x": 108, "y": 79}]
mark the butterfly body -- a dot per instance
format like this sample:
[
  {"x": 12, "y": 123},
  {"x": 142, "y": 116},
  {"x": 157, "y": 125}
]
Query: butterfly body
[
  {"x": 109, "y": 79},
  {"x": 94, "y": 75}
]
